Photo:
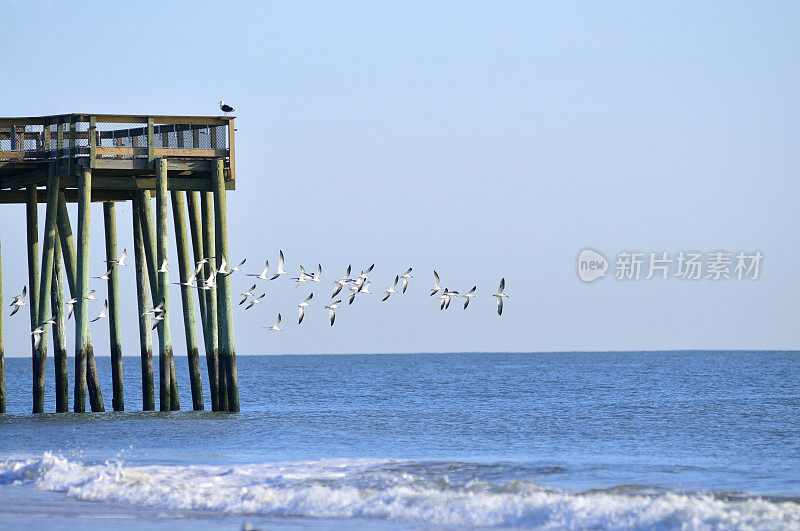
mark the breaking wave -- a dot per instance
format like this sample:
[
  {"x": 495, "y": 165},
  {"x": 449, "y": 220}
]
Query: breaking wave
[{"x": 435, "y": 492}]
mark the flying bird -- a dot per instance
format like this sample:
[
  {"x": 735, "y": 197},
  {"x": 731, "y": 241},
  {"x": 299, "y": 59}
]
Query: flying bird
[
  {"x": 104, "y": 276},
  {"x": 436, "y": 287},
  {"x": 90, "y": 296},
  {"x": 263, "y": 274},
  {"x": 274, "y": 327},
  {"x": 468, "y": 295},
  {"x": 445, "y": 298},
  {"x": 332, "y": 309},
  {"x": 316, "y": 276},
  {"x": 37, "y": 335},
  {"x": 190, "y": 282},
  {"x": 255, "y": 301},
  {"x": 391, "y": 288},
  {"x": 71, "y": 305},
  {"x": 157, "y": 310},
  {"x": 102, "y": 313},
  {"x": 281, "y": 270},
  {"x": 405, "y": 276},
  {"x": 500, "y": 294},
  {"x": 302, "y": 306},
  {"x": 353, "y": 290},
  {"x": 341, "y": 282},
  {"x": 365, "y": 288},
  {"x": 246, "y": 294},
  {"x": 236, "y": 268},
  {"x": 223, "y": 267},
  {"x": 120, "y": 261},
  {"x": 204, "y": 261},
  {"x": 224, "y": 107},
  {"x": 164, "y": 268},
  {"x": 19, "y": 300},
  {"x": 304, "y": 277},
  {"x": 211, "y": 281}
]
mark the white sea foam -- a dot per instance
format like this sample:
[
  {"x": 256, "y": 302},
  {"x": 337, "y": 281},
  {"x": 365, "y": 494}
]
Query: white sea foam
[{"x": 391, "y": 490}]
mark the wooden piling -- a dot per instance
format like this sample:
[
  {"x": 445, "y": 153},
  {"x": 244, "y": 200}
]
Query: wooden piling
[
  {"x": 59, "y": 332},
  {"x": 195, "y": 227},
  {"x": 40, "y": 354},
  {"x": 82, "y": 285},
  {"x": 162, "y": 253},
  {"x": 225, "y": 308},
  {"x": 32, "y": 218},
  {"x": 142, "y": 292},
  {"x": 185, "y": 269},
  {"x": 149, "y": 238},
  {"x": 89, "y": 376},
  {"x": 2, "y": 347},
  {"x": 115, "y": 345},
  {"x": 212, "y": 354}
]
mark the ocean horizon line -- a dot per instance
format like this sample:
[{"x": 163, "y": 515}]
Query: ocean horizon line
[{"x": 420, "y": 353}]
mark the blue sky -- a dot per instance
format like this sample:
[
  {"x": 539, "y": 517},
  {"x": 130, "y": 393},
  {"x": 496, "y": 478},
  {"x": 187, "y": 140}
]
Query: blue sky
[{"x": 483, "y": 140}]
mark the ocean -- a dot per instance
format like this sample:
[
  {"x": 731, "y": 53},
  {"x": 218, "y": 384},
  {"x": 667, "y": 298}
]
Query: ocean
[{"x": 641, "y": 440}]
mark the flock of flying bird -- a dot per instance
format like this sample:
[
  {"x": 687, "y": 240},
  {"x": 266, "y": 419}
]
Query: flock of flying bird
[{"x": 355, "y": 286}]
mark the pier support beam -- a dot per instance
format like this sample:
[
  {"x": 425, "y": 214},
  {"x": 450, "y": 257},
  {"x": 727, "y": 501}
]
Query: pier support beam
[
  {"x": 186, "y": 268},
  {"x": 82, "y": 284},
  {"x": 149, "y": 237},
  {"x": 59, "y": 333},
  {"x": 50, "y": 231},
  {"x": 162, "y": 253},
  {"x": 115, "y": 345},
  {"x": 89, "y": 376},
  {"x": 32, "y": 218},
  {"x": 195, "y": 227},
  {"x": 212, "y": 352},
  {"x": 224, "y": 287},
  {"x": 142, "y": 292}
]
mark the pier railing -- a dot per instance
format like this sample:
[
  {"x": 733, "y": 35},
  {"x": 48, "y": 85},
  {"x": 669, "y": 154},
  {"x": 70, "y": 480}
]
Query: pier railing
[{"x": 102, "y": 136}]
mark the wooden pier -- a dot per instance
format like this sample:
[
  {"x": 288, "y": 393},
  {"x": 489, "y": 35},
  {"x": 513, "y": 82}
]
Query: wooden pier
[{"x": 182, "y": 161}]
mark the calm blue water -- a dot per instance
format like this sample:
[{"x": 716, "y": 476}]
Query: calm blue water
[{"x": 642, "y": 440}]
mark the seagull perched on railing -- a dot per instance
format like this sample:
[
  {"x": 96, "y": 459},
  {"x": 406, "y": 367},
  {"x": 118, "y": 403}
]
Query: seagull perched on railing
[{"x": 224, "y": 107}]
